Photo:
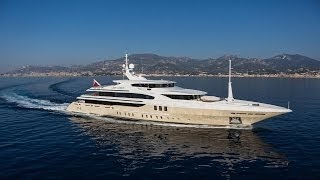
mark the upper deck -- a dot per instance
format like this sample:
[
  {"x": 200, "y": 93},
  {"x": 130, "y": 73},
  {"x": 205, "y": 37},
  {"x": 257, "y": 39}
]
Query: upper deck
[
  {"x": 144, "y": 81},
  {"x": 147, "y": 87}
]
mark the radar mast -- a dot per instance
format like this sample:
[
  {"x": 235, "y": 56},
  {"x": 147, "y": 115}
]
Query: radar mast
[
  {"x": 230, "y": 94},
  {"x": 128, "y": 70}
]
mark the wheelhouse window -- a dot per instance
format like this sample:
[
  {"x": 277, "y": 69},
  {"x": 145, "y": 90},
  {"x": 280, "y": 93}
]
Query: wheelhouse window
[
  {"x": 126, "y": 95},
  {"x": 154, "y": 85},
  {"x": 183, "y": 97},
  {"x": 155, "y": 107},
  {"x": 165, "y": 108},
  {"x": 160, "y": 108}
]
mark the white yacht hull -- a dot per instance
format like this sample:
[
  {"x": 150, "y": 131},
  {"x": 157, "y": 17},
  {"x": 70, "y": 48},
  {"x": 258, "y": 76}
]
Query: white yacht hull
[
  {"x": 175, "y": 114},
  {"x": 159, "y": 100}
]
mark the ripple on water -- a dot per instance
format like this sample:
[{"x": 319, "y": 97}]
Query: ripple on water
[{"x": 39, "y": 140}]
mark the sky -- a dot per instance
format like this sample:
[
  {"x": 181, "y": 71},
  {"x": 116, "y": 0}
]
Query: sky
[{"x": 69, "y": 32}]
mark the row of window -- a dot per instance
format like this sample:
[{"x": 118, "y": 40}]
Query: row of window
[
  {"x": 126, "y": 114},
  {"x": 157, "y": 117},
  {"x": 112, "y": 103},
  {"x": 125, "y": 95},
  {"x": 183, "y": 97},
  {"x": 249, "y": 113},
  {"x": 143, "y": 96},
  {"x": 146, "y": 116},
  {"x": 154, "y": 85},
  {"x": 160, "y": 108},
  {"x": 143, "y": 115}
]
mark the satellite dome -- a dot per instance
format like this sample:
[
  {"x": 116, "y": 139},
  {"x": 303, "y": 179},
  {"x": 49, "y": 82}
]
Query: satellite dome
[{"x": 123, "y": 65}]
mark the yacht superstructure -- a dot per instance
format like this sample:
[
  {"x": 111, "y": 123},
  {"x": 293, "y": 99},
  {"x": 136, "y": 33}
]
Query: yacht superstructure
[{"x": 138, "y": 98}]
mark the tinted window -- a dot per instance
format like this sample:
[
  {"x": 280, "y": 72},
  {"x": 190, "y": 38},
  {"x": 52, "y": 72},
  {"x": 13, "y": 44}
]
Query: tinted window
[
  {"x": 126, "y": 95},
  {"x": 112, "y": 103},
  {"x": 183, "y": 97},
  {"x": 154, "y": 85}
]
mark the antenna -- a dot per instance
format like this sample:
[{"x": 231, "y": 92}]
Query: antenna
[
  {"x": 126, "y": 65},
  {"x": 230, "y": 94}
]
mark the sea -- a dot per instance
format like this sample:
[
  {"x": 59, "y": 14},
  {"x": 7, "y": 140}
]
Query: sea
[{"x": 40, "y": 140}]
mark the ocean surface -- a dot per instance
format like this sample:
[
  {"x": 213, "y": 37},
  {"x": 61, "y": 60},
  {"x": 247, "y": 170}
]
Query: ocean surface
[{"x": 39, "y": 140}]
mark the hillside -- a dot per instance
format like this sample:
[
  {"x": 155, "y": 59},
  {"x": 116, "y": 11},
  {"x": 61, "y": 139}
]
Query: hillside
[{"x": 155, "y": 64}]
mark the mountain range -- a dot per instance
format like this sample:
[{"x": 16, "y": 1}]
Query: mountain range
[{"x": 155, "y": 64}]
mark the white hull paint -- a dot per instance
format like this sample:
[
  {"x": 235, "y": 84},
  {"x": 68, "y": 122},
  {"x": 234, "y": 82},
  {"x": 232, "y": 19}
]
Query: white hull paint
[{"x": 175, "y": 114}]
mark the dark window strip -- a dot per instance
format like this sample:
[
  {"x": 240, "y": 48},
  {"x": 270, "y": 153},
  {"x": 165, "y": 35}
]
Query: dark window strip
[
  {"x": 154, "y": 85},
  {"x": 125, "y": 95},
  {"x": 112, "y": 103},
  {"x": 183, "y": 97}
]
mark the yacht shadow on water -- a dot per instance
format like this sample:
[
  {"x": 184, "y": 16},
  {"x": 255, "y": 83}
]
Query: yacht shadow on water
[{"x": 142, "y": 141}]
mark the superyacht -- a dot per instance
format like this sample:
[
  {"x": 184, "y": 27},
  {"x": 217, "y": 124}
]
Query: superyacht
[{"x": 138, "y": 98}]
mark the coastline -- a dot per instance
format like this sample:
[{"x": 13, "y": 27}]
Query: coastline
[{"x": 67, "y": 74}]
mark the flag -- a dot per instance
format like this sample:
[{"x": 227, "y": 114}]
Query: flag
[{"x": 96, "y": 83}]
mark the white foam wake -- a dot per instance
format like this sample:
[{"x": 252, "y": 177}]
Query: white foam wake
[{"x": 27, "y": 102}]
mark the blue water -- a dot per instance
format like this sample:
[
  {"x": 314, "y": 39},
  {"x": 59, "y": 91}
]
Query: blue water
[{"x": 38, "y": 139}]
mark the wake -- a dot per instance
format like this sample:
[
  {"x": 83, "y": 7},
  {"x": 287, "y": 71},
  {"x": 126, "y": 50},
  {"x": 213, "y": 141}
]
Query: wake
[
  {"x": 56, "y": 87},
  {"x": 27, "y": 102}
]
